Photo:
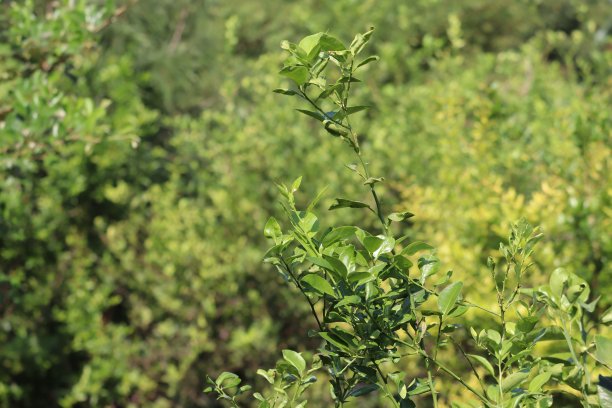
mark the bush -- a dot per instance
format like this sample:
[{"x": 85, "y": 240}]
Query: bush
[{"x": 138, "y": 158}]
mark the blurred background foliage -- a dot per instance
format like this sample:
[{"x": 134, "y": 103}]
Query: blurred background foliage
[{"x": 140, "y": 142}]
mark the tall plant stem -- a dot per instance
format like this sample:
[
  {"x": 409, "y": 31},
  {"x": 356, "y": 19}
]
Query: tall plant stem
[
  {"x": 379, "y": 211},
  {"x": 459, "y": 379},
  {"x": 570, "y": 345},
  {"x": 432, "y": 387},
  {"x": 299, "y": 286},
  {"x": 444, "y": 368}
]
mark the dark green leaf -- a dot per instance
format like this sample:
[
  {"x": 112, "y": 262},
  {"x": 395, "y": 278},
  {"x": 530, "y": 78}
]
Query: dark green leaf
[
  {"x": 526, "y": 324},
  {"x": 362, "y": 389},
  {"x": 338, "y": 234},
  {"x": 343, "y": 203},
  {"x": 285, "y": 91},
  {"x": 348, "y": 79},
  {"x": 354, "y": 109},
  {"x": 312, "y": 114},
  {"x": 334, "y": 340},
  {"x": 337, "y": 265},
  {"x": 366, "y": 61},
  {"x": 605, "y": 397},
  {"x": 349, "y": 300}
]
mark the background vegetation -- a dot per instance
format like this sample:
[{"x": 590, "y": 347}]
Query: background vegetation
[{"x": 139, "y": 144}]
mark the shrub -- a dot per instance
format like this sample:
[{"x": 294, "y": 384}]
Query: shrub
[{"x": 371, "y": 311}]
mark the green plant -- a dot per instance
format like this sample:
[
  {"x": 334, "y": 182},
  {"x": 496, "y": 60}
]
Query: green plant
[
  {"x": 290, "y": 379},
  {"x": 372, "y": 310}
]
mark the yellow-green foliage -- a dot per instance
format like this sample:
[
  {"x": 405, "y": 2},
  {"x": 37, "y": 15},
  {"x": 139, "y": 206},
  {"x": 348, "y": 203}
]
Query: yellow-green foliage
[
  {"x": 502, "y": 137},
  {"x": 139, "y": 150}
]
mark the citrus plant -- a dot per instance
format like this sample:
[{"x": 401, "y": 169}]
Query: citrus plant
[{"x": 375, "y": 305}]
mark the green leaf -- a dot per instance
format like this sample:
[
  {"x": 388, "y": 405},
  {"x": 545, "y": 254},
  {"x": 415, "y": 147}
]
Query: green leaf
[
  {"x": 386, "y": 247},
  {"x": 319, "y": 284},
  {"x": 558, "y": 280},
  {"x": 295, "y": 359},
  {"x": 458, "y": 311},
  {"x": 484, "y": 362},
  {"x": 310, "y": 44},
  {"x": 407, "y": 403},
  {"x": 343, "y": 203},
  {"x": 514, "y": 380},
  {"x": 331, "y": 43},
  {"x": 402, "y": 262},
  {"x": 527, "y": 323},
  {"x": 354, "y": 109},
  {"x": 334, "y": 129},
  {"x": 297, "y": 73},
  {"x": 285, "y": 91},
  {"x": 400, "y": 216},
  {"x": 603, "y": 351},
  {"x": 494, "y": 336},
  {"x": 259, "y": 397},
  {"x": 334, "y": 340},
  {"x": 337, "y": 265},
  {"x": 347, "y": 79},
  {"x": 607, "y": 316},
  {"x": 227, "y": 380},
  {"x": 268, "y": 375},
  {"x": 366, "y": 61},
  {"x": 448, "y": 297},
  {"x": 372, "y": 243},
  {"x": 359, "y": 278},
  {"x": 604, "y": 391},
  {"x": 378, "y": 246},
  {"x": 415, "y": 247},
  {"x": 296, "y": 184},
  {"x": 360, "y": 41},
  {"x": 312, "y": 114},
  {"x": 316, "y": 200},
  {"x": 429, "y": 266},
  {"x": 605, "y": 396},
  {"x": 331, "y": 264},
  {"x": 492, "y": 392},
  {"x": 272, "y": 229},
  {"x": 338, "y": 234},
  {"x": 349, "y": 300},
  {"x": 538, "y": 382},
  {"x": 373, "y": 180},
  {"x": 362, "y": 389}
]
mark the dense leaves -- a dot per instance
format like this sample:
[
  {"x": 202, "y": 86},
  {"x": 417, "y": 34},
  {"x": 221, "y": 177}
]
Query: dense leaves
[{"x": 139, "y": 147}]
